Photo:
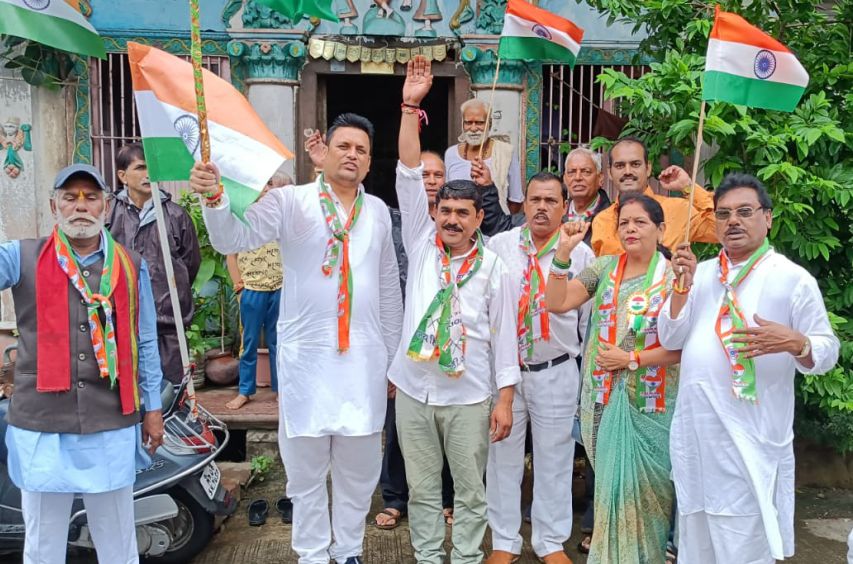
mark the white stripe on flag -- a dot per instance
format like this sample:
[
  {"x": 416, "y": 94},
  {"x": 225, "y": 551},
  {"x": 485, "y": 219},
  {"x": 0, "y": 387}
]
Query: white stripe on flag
[
  {"x": 239, "y": 157},
  {"x": 740, "y": 59},
  {"x": 58, "y": 9},
  {"x": 515, "y": 26}
]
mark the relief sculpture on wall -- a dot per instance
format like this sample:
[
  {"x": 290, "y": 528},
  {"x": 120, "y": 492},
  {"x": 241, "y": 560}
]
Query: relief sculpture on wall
[{"x": 15, "y": 137}]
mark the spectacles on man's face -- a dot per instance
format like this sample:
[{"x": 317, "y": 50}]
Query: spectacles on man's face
[{"x": 745, "y": 212}]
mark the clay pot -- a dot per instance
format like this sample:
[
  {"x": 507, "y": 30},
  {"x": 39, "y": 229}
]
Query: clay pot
[
  {"x": 262, "y": 372},
  {"x": 221, "y": 368}
]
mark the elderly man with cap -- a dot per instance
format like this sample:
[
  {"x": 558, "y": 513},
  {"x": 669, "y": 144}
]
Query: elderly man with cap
[{"x": 87, "y": 367}]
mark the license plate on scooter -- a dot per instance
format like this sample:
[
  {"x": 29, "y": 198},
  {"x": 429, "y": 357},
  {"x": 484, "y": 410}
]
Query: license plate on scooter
[{"x": 210, "y": 479}]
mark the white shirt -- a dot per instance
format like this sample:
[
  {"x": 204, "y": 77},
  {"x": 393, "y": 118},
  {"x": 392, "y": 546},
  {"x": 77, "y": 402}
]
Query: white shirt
[
  {"x": 460, "y": 169},
  {"x": 487, "y": 307},
  {"x": 324, "y": 392},
  {"x": 564, "y": 327},
  {"x": 730, "y": 456}
]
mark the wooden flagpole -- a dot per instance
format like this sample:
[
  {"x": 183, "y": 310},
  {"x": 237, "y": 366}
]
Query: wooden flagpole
[
  {"x": 695, "y": 169},
  {"x": 488, "y": 126}
]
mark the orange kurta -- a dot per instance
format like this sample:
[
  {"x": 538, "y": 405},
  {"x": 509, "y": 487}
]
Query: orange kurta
[{"x": 605, "y": 240}]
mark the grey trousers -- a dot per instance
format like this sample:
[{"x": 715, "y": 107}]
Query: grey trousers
[{"x": 461, "y": 433}]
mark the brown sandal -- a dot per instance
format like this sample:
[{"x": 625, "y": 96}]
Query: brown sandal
[{"x": 394, "y": 521}]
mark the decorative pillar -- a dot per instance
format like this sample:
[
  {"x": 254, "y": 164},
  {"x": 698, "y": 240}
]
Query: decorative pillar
[
  {"x": 507, "y": 110},
  {"x": 271, "y": 78}
]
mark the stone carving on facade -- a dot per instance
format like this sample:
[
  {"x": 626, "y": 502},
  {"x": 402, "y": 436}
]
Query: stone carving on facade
[
  {"x": 15, "y": 137},
  {"x": 463, "y": 14},
  {"x": 427, "y": 13},
  {"x": 270, "y": 62},
  {"x": 381, "y": 19},
  {"x": 480, "y": 64},
  {"x": 346, "y": 12},
  {"x": 258, "y": 16},
  {"x": 491, "y": 17}
]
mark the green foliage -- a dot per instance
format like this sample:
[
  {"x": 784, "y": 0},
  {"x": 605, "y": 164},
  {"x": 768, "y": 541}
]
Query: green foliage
[
  {"x": 39, "y": 64},
  {"x": 805, "y": 158},
  {"x": 260, "y": 466},
  {"x": 216, "y": 313}
]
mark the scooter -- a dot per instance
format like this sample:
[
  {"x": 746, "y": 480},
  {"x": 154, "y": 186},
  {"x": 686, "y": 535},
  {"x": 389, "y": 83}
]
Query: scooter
[{"x": 177, "y": 497}]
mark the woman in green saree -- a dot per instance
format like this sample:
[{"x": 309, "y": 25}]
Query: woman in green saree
[{"x": 629, "y": 383}]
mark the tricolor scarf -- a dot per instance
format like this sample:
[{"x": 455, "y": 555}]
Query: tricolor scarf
[
  {"x": 441, "y": 332},
  {"x": 643, "y": 309},
  {"x": 532, "y": 315},
  {"x": 337, "y": 249},
  {"x": 586, "y": 215},
  {"x": 113, "y": 341},
  {"x": 731, "y": 317}
]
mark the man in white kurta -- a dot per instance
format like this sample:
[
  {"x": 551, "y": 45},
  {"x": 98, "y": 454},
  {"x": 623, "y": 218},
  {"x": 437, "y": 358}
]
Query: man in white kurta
[
  {"x": 547, "y": 396},
  {"x": 449, "y": 410},
  {"x": 332, "y": 403},
  {"x": 733, "y": 458}
]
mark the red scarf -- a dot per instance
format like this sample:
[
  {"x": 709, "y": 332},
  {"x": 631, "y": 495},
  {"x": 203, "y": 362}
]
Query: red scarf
[{"x": 53, "y": 318}]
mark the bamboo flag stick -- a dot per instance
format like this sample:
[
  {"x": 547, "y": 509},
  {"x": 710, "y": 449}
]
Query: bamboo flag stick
[
  {"x": 491, "y": 105},
  {"x": 695, "y": 170},
  {"x": 198, "y": 77},
  {"x": 693, "y": 179}
]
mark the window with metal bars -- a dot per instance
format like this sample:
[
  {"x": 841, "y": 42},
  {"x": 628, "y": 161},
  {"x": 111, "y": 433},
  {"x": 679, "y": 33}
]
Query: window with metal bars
[
  {"x": 114, "y": 120},
  {"x": 574, "y": 110}
]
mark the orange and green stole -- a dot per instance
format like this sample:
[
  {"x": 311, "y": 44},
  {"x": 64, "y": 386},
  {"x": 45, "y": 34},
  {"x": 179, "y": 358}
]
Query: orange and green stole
[
  {"x": 114, "y": 337},
  {"x": 337, "y": 251},
  {"x": 731, "y": 317},
  {"x": 533, "y": 322},
  {"x": 643, "y": 308},
  {"x": 441, "y": 332}
]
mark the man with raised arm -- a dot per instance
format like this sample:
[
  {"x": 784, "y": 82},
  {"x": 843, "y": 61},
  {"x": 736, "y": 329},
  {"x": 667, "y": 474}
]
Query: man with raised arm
[
  {"x": 338, "y": 329},
  {"x": 458, "y": 345}
]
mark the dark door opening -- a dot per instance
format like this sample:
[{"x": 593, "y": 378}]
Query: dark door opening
[{"x": 378, "y": 99}]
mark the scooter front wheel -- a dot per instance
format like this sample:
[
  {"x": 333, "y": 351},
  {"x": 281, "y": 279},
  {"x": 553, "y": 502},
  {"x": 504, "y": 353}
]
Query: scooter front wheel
[{"x": 191, "y": 530}]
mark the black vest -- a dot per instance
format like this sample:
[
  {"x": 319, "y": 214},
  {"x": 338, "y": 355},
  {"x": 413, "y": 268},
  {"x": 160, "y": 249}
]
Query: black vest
[{"x": 91, "y": 405}]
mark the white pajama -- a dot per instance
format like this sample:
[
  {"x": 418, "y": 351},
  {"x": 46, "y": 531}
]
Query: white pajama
[
  {"x": 723, "y": 538},
  {"x": 548, "y": 399},
  {"x": 355, "y": 464},
  {"x": 111, "y": 524}
]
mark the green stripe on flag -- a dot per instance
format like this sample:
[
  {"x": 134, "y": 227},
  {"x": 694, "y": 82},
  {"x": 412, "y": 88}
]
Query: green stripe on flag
[
  {"x": 752, "y": 92},
  {"x": 50, "y": 30},
  {"x": 534, "y": 49},
  {"x": 169, "y": 160}
]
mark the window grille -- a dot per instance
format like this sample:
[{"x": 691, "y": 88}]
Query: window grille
[
  {"x": 572, "y": 104},
  {"x": 113, "y": 111}
]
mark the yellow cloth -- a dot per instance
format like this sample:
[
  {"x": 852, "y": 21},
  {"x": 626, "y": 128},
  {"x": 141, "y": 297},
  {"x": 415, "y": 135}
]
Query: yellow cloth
[
  {"x": 261, "y": 269},
  {"x": 605, "y": 240}
]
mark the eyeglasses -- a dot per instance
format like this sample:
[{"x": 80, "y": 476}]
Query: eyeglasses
[{"x": 744, "y": 212}]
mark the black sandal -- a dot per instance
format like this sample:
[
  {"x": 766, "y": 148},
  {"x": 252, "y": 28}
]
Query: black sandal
[
  {"x": 585, "y": 544},
  {"x": 258, "y": 511},
  {"x": 285, "y": 509}
]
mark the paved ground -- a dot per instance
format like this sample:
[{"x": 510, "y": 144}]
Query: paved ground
[{"x": 824, "y": 519}]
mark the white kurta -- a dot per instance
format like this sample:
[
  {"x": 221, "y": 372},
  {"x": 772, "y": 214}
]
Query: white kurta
[
  {"x": 487, "y": 305},
  {"x": 324, "y": 392},
  {"x": 731, "y": 457}
]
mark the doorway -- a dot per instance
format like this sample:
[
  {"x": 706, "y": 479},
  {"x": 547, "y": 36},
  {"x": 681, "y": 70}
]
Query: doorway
[{"x": 378, "y": 98}]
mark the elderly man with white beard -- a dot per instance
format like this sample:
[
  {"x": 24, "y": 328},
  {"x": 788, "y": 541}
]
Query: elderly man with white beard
[
  {"x": 478, "y": 155},
  {"x": 87, "y": 354}
]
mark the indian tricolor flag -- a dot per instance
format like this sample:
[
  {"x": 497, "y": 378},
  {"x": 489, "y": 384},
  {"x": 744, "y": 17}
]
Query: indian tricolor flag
[
  {"x": 55, "y": 23},
  {"x": 746, "y": 66},
  {"x": 533, "y": 34},
  {"x": 245, "y": 150}
]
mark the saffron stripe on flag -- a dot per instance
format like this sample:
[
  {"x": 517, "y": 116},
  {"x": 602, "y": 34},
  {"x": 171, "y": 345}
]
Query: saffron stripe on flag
[
  {"x": 751, "y": 91},
  {"x": 732, "y": 27},
  {"x": 59, "y": 29},
  {"x": 537, "y": 15}
]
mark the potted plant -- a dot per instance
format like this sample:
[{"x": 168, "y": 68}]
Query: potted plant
[{"x": 210, "y": 337}]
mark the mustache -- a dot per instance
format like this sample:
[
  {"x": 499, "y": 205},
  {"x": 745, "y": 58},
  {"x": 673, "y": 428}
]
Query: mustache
[
  {"x": 627, "y": 176},
  {"x": 86, "y": 216},
  {"x": 540, "y": 215},
  {"x": 452, "y": 227}
]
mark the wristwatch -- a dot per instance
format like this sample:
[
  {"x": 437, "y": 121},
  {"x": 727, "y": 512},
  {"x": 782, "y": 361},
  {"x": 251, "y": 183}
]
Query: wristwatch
[
  {"x": 634, "y": 362},
  {"x": 807, "y": 348}
]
